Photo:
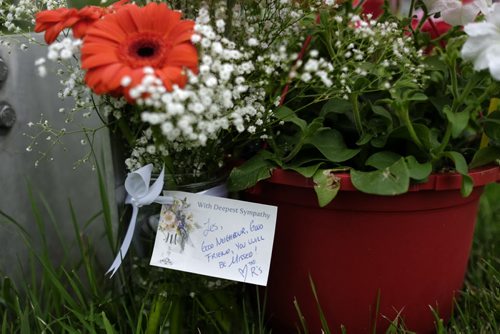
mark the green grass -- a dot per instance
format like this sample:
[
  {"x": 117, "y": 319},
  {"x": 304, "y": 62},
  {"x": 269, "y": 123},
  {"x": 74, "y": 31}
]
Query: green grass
[
  {"x": 478, "y": 309},
  {"x": 76, "y": 297}
]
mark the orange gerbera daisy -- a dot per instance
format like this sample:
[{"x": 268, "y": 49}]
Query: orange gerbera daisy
[
  {"x": 55, "y": 21},
  {"x": 122, "y": 44}
]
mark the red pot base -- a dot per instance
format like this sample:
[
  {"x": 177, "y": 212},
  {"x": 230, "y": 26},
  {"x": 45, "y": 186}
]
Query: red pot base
[{"x": 410, "y": 252}]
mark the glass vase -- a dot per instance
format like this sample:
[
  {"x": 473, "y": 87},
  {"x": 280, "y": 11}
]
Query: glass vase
[{"x": 196, "y": 302}]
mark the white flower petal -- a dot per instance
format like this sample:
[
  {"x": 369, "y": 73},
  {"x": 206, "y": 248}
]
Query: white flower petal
[
  {"x": 481, "y": 29},
  {"x": 436, "y": 6},
  {"x": 459, "y": 15},
  {"x": 493, "y": 16},
  {"x": 494, "y": 61},
  {"x": 484, "y": 6}
]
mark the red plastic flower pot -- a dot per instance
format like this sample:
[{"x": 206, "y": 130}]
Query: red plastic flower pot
[{"x": 400, "y": 255}]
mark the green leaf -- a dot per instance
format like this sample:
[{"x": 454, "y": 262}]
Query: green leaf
[
  {"x": 440, "y": 102},
  {"x": 379, "y": 142},
  {"x": 326, "y": 185},
  {"x": 364, "y": 139},
  {"x": 254, "y": 170},
  {"x": 307, "y": 171},
  {"x": 305, "y": 158},
  {"x": 107, "y": 325},
  {"x": 331, "y": 144},
  {"x": 392, "y": 180},
  {"x": 381, "y": 160},
  {"x": 467, "y": 185},
  {"x": 381, "y": 111},
  {"x": 324, "y": 323},
  {"x": 461, "y": 167},
  {"x": 288, "y": 115},
  {"x": 335, "y": 105},
  {"x": 418, "y": 171},
  {"x": 459, "y": 121},
  {"x": 417, "y": 96},
  {"x": 492, "y": 125},
  {"x": 314, "y": 126},
  {"x": 485, "y": 156},
  {"x": 459, "y": 161},
  {"x": 361, "y": 83},
  {"x": 423, "y": 133}
]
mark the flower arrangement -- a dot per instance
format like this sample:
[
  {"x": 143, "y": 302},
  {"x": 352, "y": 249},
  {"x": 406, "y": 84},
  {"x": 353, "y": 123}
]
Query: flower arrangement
[
  {"x": 314, "y": 86},
  {"x": 388, "y": 98},
  {"x": 185, "y": 88}
]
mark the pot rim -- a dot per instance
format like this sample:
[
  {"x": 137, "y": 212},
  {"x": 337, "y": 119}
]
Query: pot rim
[{"x": 436, "y": 181}]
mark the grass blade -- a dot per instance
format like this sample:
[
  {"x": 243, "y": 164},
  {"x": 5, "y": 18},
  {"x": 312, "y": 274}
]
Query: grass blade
[{"x": 322, "y": 317}]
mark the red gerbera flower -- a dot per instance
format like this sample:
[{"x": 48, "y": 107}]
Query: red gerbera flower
[
  {"x": 55, "y": 21},
  {"x": 123, "y": 43}
]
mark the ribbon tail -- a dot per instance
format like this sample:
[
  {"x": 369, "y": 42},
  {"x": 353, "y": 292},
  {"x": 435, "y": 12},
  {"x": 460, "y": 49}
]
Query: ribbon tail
[
  {"x": 217, "y": 191},
  {"x": 125, "y": 244},
  {"x": 164, "y": 200}
]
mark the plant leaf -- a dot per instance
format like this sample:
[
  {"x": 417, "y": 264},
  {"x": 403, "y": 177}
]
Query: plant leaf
[
  {"x": 364, "y": 139},
  {"x": 459, "y": 121},
  {"x": 423, "y": 133},
  {"x": 326, "y": 185},
  {"x": 381, "y": 160},
  {"x": 314, "y": 126},
  {"x": 331, "y": 144},
  {"x": 382, "y": 112},
  {"x": 417, "y": 96},
  {"x": 288, "y": 115},
  {"x": 461, "y": 167},
  {"x": 418, "y": 171},
  {"x": 459, "y": 161},
  {"x": 392, "y": 180},
  {"x": 107, "y": 325},
  {"x": 492, "y": 126},
  {"x": 485, "y": 156},
  {"x": 335, "y": 105},
  {"x": 307, "y": 171},
  {"x": 258, "y": 168}
]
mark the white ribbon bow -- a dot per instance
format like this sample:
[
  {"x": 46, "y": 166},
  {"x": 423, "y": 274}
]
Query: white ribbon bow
[{"x": 139, "y": 193}]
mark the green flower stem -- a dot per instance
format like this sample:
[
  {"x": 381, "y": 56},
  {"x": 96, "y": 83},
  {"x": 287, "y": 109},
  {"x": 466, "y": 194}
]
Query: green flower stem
[
  {"x": 327, "y": 36},
  {"x": 357, "y": 114},
  {"x": 454, "y": 82},
  {"x": 94, "y": 104},
  {"x": 405, "y": 117},
  {"x": 412, "y": 5},
  {"x": 444, "y": 142},
  {"x": 471, "y": 84},
  {"x": 295, "y": 151},
  {"x": 126, "y": 132}
]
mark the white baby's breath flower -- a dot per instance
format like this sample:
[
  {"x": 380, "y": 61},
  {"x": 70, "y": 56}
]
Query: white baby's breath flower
[
  {"x": 195, "y": 38},
  {"x": 253, "y": 41},
  {"x": 220, "y": 25},
  {"x": 125, "y": 81},
  {"x": 42, "y": 71}
]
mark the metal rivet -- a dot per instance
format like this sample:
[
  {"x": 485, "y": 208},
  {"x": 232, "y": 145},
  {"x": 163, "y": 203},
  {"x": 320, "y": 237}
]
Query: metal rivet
[{"x": 7, "y": 115}]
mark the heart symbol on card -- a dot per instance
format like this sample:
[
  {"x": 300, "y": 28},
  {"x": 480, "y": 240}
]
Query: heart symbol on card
[{"x": 244, "y": 272}]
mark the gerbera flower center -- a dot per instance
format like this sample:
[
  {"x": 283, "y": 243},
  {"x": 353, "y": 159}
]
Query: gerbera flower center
[{"x": 144, "y": 49}]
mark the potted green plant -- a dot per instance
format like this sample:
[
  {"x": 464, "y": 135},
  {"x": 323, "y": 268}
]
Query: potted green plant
[{"x": 388, "y": 132}]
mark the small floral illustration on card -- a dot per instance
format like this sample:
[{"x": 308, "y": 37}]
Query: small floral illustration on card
[{"x": 175, "y": 225}]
